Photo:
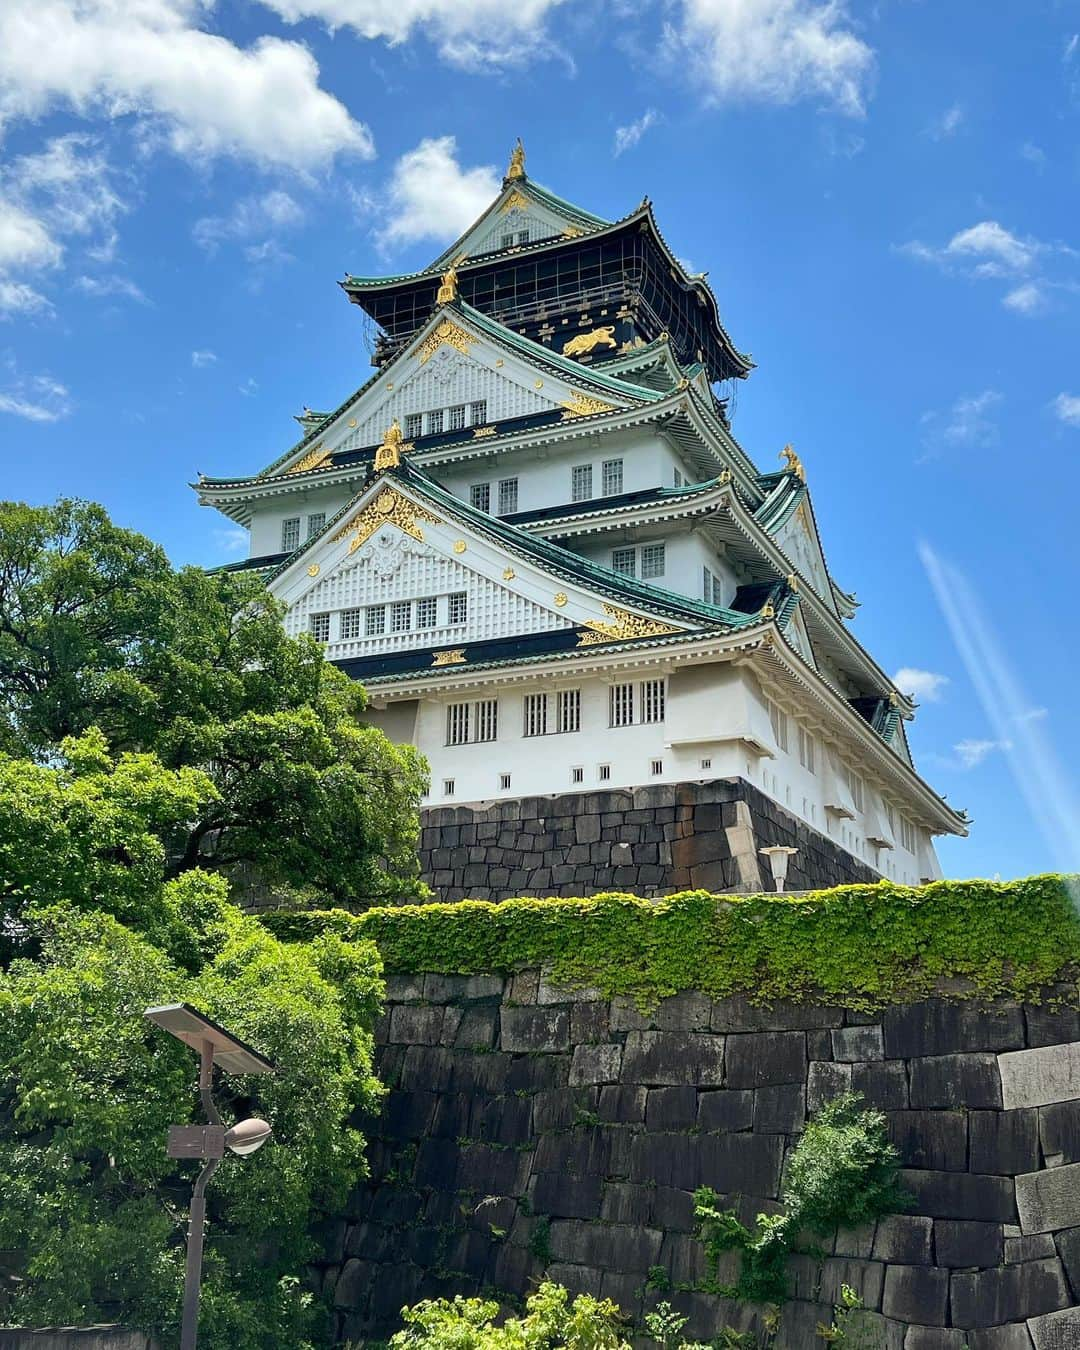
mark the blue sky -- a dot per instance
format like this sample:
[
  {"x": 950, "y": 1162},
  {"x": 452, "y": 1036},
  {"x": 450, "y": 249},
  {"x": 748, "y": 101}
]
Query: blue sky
[{"x": 884, "y": 196}]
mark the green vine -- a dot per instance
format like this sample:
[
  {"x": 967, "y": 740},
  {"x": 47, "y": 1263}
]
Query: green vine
[{"x": 860, "y": 946}]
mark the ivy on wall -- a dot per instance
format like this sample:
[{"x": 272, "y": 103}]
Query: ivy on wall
[{"x": 859, "y": 946}]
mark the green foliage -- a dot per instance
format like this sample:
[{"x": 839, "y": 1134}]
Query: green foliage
[
  {"x": 850, "y": 1328},
  {"x": 88, "y": 1090},
  {"x": 843, "y": 1172},
  {"x": 540, "y": 1239},
  {"x": 664, "y": 1325},
  {"x": 551, "y": 1322},
  {"x": 861, "y": 946},
  {"x": 97, "y": 630}
]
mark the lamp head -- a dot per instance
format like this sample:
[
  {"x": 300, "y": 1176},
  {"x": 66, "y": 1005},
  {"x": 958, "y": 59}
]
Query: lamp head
[{"x": 247, "y": 1135}]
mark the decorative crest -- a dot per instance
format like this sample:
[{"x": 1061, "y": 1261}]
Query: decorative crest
[
  {"x": 767, "y": 611},
  {"x": 388, "y": 508},
  {"x": 448, "y": 290},
  {"x": 516, "y": 167},
  {"x": 318, "y": 457},
  {"x": 793, "y": 583},
  {"x": 448, "y": 333},
  {"x": 624, "y": 626},
  {"x": 580, "y": 405},
  {"x": 587, "y": 342},
  {"x": 388, "y": 455},
  {"x": 793, "y": 463},
  {"x": 453, "y": 657}
]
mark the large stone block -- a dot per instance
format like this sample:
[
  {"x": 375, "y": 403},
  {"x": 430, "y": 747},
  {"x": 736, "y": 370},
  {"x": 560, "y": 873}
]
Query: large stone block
[
  {"x": 826, "y": 1080},
  {"x": 865, "y": 1277},
  {"x": 916, "y": 1292},
  {"x": 1068, "y": 1246},
  {"x": 935, "y": 1338},
  {"x": 957, "y": 1195},
  {"x": 987, "y": 1298},
  {"x": 852, "y": 1045},
  {"x": 936, "y": 1140},
  {"x": 883, "y": 1085},
  {"x": 1015, "y": 1337},
  {"x": 961, "y": 1243},
  {"x": 535, "y": 1030},
  {"x": 621, "y": 1105},
  {"x": 1052, "y": 1025},
  {"x": 938, "y": 1027},
  {"x": 1049, "y": 1200},
  {"x": 1059, "y": 1132},
  {"x": 1056, "y": 1331},
  {"x": 945, "y": 1081},
  {"x": 606, "y": 1246},
  {"x": 565, "y": 1196},
  {"x": 671, "y": 1108},
  {"x": 1006, "y": 1142},
  {"x": 760, "y": 1059},
  {"x": 1042, "y": 1076},
  {"x": 780, "y": 1109},
  {"x": 725, "y": 1110},
  {"x": 904, "y": 1238},
  {"x": 673, "y": 1057},
  {"x": 594, "y": 1064}
]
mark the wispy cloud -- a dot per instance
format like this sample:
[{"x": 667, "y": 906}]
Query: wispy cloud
[
  {"x": 35, "y": 398},
  {"x": 971, "y": 754},
  {"x": 1028, "y": 299},
  {"x": 968, "y": 422},
  {"x": 1067, "y": 409},
  {"x": 257, "y": 218},
  {"x": 231, "y": 541},
  {"x": 1049, "y": 791},
  {"x": 111, "y": 285},
  {"x": 202, "y": 358},
  {"x": 627, "y": 137},
  {"x": 921, "y": 684},
  {"x": 249, "y": 388},
  {"x": 1034, "y": 154},
  {"x": 947, "y": 124}
]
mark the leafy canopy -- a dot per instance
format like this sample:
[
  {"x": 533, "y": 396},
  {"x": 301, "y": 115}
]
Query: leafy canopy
[{"x": 551, "y": 1322}]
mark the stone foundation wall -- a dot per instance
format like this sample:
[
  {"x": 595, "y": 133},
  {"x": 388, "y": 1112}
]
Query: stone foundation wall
[
  {"x": 649, "y": 840},
  {"x": 531, "y": 1132}
]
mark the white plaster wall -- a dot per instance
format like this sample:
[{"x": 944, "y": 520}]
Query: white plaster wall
[
  {"x": 685, "y": 555},
  {"x": 266, "y": 519}
]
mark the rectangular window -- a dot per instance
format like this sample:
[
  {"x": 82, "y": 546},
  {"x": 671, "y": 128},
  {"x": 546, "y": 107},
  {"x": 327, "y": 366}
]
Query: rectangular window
[
  {"x": 855, "y": 783},
  {"x": 611, "y": 477},
  {"x": 507, "y": 241},
  {"x": 414, "y": 426},
  {"x": 504, "y": 782},
  {"x": 569, "y": 710},
  {"x": 315, "y": 523},
  {"x": 908, "y": 836},
  {"x": 657, "y": 767},
  {"x": 603, "y": 772},
  {"x": 624, "y": 560},
  {"x": 427, "y": 612},
  {"x": 581, "y": 482},
  {"x": 806, "y": 750},
  {"x": 375, "y": 620},
  {"x": 677, "y": 478},
  {"x": 535, "y": 715},
  {"x": 577, "y": 774},
  {"x": 350, "y": 623},
  {"x": 457, "y": 607},
  {"x": 487, "y": 719},
  {"x": 508, "y": 496},
  {"x": 479, "y": 412},
  {"x": 652, "y": 560},
  {"x": 435, "y": 423},
  {"x": 448, "y": 787},
  {"x": 290, "y": 534},
  {"x": 652, "y": 700},
  {"x": 480, "y": 496},
  {"x": 458, "y": 717},
  {"x": 622, "y": 705},
  {"x": 400, "y": 616},
  {"x": 457, "y": 417},
  {"x": 706, "y": 763},
  {"x": 779, "y": 721},
  {"x": 320, "y": 627},
  {"x": 709, "y": 587},
  {"x": 523, "y": 236}
]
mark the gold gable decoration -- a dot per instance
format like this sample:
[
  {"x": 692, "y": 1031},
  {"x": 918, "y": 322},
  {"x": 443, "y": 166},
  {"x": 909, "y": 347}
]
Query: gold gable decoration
[
  {"x": 388, "y": 508},
  {"x": 316, "y": 458},
  {"x": 621, "y": 626},
  {"x": 388, "y": 455},
  {"x": 580, "y": 405},
  {"x": 448, "y": 334},
  {"x": 454, "y": 657},
  {"x": 517, "y": 199}
]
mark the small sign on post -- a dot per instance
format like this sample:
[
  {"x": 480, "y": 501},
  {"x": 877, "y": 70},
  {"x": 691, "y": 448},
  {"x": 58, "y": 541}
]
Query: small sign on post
[{"x": 196, "y": 1141}]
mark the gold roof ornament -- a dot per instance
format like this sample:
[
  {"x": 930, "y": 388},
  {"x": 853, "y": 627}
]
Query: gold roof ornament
[
  {"x": 767, "y": 611},
  {"x": 793, "y": 583},
  {"x": 516, "y": 167},
  {"x": 388, "y": 455},
  {"x": 448, "y": 290},
  {"x": 793, "y": 464}
]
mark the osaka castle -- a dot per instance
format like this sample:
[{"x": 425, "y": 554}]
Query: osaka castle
[{"x": 532, "y": 534}]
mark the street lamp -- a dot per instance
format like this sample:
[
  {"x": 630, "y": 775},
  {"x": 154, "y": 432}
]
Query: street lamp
[{"x": 214, "y": 1045}]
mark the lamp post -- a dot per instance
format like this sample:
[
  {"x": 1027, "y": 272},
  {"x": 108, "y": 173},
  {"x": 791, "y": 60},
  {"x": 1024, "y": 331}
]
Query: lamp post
[
  {"x": 779, "y": 855},
  {"x": 214, "y": 1045}
]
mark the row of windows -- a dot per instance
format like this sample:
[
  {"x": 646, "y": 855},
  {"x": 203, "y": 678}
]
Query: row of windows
[
  {"x": 577, "y": 776},
  {"x": 629, "y": 704},
  {"x": 290, "y": 530},
  {"x": 506, "y": 490},
  {"x": 438, "y": 420},
  {"x": 646, "y": 561},
  {"x": 581, "y": 480},
  {"x": 402, "y": 616}
]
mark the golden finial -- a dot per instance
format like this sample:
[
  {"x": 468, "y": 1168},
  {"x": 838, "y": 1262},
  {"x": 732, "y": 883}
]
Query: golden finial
[
  {"x": 767, "y": 611},
  {"x": 448, "y": 289},
  {"x": 388, "y": 455},
  {"x": 516, "y": 167},
  {"x": 894, "y": 699},
  {"x": 793, "y": 583},
  {"x": 793, "y": 462}
]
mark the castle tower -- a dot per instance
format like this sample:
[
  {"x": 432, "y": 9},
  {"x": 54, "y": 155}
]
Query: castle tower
[{"x": 533, "y": 536}]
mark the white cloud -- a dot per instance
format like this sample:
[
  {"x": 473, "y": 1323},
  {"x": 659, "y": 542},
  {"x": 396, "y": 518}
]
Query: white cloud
[
  {"x": 775, "y": 51},
  {"x": 72, "y": 185},
  {"x": 112, "y": 285},
  {"x": 16, "y": 297},
  {"x": 252, "y": 216},
  {"x": 202, "y": 358},
  {"x": 994, "y": 249},
  {"x": 232, "y": 540},
  {"x": 1067, "y": 409},
  {"x": 972, "y": 753},
  {"x": 191, "y": 89},
  {"x": 35, "y": 398},
  {"x": 627, "y": 137},
  {"x": 1028, "y": 299},
  {"x": 249, "y": 388},
  {"x": 920, "y": 684},
  {"x": 25, "y": 242},
  {"x": 430, "y": 196},
  {"x": 948, "y": 124},
  {"x": 467, "y": 33},
  {"x": 1034, "y": 154}
]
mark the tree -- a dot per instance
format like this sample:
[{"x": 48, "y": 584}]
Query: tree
[
  {"x": 97, "y": 630},
  {"x": 553, "y": 1321}
]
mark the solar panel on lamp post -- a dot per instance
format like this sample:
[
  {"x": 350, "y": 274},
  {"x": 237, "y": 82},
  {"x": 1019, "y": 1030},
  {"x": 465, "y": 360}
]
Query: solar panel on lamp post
[{"x": 214, "y": 1045}]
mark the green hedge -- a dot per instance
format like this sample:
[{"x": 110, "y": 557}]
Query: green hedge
[{"x": 856, "y": 945}]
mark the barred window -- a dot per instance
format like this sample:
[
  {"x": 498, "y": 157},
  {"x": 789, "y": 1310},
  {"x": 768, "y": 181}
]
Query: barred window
[
  {"x": 350, "y": 623},
  {"x": 569, "y": 710},
  {"x": 581, "y": 482},
  {"x": 320, "y": 627},
  {"x": 855, "y": 783},
  {"x": 603, "y": 772},
  {"x": 400, "y": 616},
  {"x": 435, "y": 423},
  {"x": 448, "y": 787},
  {"x": 908, "y": 835},
  {"x": 806, "y": 750},
  {"x": 652, "y": 700},
  {"x": 611, "y": 477},
  {"x": 624, "y": 560},
  {"x": 535, "y": 706},
  {"x": 779, "y": 721},
  {"x": 290, "y": 534},
  {"x": 508, "y": 496},
  {"x": 457, "y": 723},
  {"x": 712, "y": 588},
  {"x": 315, "y": 523},
  {"x": 457, "y": 607},
  {"x": 622, "y": 705},
  {"x": 457, "y": 417},
  {"x": 414, "y": 426},
  {"x": 504, "y": 782},
  {"x": 487, "y": 719},
  {"x": 479, "y": 412},
  {"x": 375, "y": 620},
  {"x": 577, "y": 774},
  {"x": 657, "y": 767},
  {"x": 427, "y": 612},
  {"x": 480, "y": 496},
  {"x": 652, "y": 560}
]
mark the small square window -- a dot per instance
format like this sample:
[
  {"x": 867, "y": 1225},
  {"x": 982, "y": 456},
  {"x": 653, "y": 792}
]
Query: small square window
[
  {"x": 624, "y": 560},
  {"x": 603, "y": 772},
  {"x": 504, "y": 782},
  {"x": 706, "y": 763},
  {"x": 375, "y": 620},
  {"x": 577, "y": 774},
  {"x": 320, "y": 627},
  {"x": 457, "y": 608},
  {"x": 350, "y": 623},
  {"x": 652, "y": 560},
  {"x": 427, "y": 612},
  {"x": 457, "y": 417},
  {"x": 290, "y": 534},
  {"x": 480, "y": 496},
  {"x": 448, "y": 787},
  {"x": 611, "y": 476},
  {"x": 435, "y": 423},
  {"x": 400, "y": 616},
  {"x": 657, "y": 767},
  {"x": 414, "y": 426}
]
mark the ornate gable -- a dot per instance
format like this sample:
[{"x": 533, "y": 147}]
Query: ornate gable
[{"x": 798, "y": 538}]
